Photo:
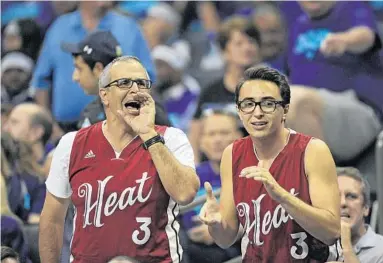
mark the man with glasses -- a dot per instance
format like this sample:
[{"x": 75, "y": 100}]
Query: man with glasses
[
  {"x": 279, "y": 186},
  {"x": 125, "y": 175},
  {"x": 91, "y": 56}
]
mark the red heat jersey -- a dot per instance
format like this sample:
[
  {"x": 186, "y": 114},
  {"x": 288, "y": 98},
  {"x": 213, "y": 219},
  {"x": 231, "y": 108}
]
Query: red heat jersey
[
  {"x": 121, "y": 207},
  {"x": 270, "y": 234}
]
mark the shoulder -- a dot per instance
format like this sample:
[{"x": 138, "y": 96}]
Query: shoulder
[
  {"x": 126, "y": 20},
  {"x": 65, "y": 144},
  {"x": 172, "y": 133},
  {"x": 318, "y": 157},
  {"x": 63, "y": 20}
]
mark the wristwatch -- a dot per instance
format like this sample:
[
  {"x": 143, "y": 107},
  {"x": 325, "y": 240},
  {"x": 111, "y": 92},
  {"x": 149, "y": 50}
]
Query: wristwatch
[{"x": 153, "y": 140}]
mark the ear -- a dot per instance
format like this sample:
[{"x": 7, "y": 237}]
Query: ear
[
  {"x": 37, "y": 132},
  {"x": 238, "y": 112},
  {"x": 103, "y": 93},
  {"x": 97, "y": 69},
  {"x": 286, "y": 109},
  {"x": 366, "y": 210}
]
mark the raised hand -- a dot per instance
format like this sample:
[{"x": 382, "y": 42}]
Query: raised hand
[
  {"x": 263, "y": 175},
  {"x": 333, "y": 45},
  {"x": 142, "y": 123},
  {"x": 210, "y": 214}
]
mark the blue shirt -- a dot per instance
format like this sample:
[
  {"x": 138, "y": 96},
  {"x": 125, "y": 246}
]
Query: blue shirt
[
  {"x": 68, "y": 99},
  {"x": 206, "y": 174},
  {"x": 362, "y": 73}
]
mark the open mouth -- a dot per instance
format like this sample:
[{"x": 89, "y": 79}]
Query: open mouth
[
  {"x": 135, "y": 105},
  {"x": 345, "y": 215}
]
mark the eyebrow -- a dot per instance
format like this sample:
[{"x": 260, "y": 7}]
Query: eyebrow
[{"x": 263, "y": 98}]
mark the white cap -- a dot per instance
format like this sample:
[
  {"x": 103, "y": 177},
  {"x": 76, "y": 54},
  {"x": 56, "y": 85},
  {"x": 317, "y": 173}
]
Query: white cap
[
  {"x": 177, "y": 56},
  {"x": 17, "y": 60},
  {"x": 166, "y": 12}
]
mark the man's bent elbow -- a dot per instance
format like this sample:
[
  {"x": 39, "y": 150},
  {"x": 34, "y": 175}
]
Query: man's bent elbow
[
  {"x": 187, "y": 195},
  {"x": 333, "y": 234}
]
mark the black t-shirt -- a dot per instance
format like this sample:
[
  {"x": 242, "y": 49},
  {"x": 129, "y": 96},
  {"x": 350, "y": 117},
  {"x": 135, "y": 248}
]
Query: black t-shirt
[{"x": 215, "y": 96}]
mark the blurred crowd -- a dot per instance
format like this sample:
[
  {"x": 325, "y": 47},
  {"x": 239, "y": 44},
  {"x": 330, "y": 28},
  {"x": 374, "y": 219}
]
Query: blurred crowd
[{"x": 195, "y": 53}]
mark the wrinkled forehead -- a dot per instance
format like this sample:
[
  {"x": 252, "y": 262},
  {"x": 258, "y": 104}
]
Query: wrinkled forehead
[
  {"x": 128, "y": 69},
  {"x": 349, "y": 184},
  {"x": 259, "y": 89}
]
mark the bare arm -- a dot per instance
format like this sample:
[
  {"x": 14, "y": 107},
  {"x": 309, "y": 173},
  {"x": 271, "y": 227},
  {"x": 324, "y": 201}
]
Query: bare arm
[
  {"x": 180, "y": 181},
  {"x": 42, "y": 98},
  {"x": 209, "y": 16},
  {"x": 321, "y": 219},
  {"x": 52, "y": 228},
  {"x": 225, "y": 234},
  {"x": 359, "y": 39}
]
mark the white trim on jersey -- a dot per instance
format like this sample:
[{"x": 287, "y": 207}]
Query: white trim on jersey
[
  {"x": 172, "y": 230},
  {"x": 71, "y": 257}
]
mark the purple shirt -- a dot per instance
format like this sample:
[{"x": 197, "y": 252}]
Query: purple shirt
[
  {"x": 206, "y": 174},
  {"x": 307, "y": 66}
]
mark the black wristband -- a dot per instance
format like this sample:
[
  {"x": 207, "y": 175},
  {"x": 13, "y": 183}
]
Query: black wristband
[{"x": 153, "y": 140}]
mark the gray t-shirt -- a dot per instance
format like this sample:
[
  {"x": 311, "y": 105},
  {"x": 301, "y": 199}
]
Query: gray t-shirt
[{"x": 369, "y": 248}]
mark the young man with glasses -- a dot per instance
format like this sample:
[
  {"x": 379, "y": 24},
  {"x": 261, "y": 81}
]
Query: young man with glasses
[
  {"x": 279, "y": 186},
  {"x": 125, "y": 176},
  {"x": 91, "y": 56}
]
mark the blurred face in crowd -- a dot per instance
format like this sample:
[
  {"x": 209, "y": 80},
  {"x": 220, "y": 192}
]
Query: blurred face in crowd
[
  {"x": 120, "y": 95},
  {"x": 272, "y": 34},
  {"x": 261, "y": 123},
  {"x": 12, "y": 42},
  {"x": 353, "y": 207},
  {"x": 317, "y": 8},
  {"x": 19, "y": 124},
  {"x": 15, "y": 80},
  {"x": 219, "y": 130},
  {"x": 241, "y": 50},
  {"x": 85, "y": 76},
  {"x": 157, "y": 31},
  {"x": 167, "y": 76}
]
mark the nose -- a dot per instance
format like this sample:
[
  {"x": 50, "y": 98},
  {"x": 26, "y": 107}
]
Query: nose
[
  {"x": 343, "y": 202},
  {"x": 75, "y": 76},
  {"x": 134, "y": 88},
  {"x": 258, "y": 112}
]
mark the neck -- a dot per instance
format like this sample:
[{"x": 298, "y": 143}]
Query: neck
[
  {"x": 38, "y": 151},
  {"x": 359, "y": 233},
  {"x": 268, "y": 148},
  {"x": 90, "y": 16},
  {"x": 215, "y": 166},
  {"x": 117, "y": 132},
  {"x": 232, "y": 76}
]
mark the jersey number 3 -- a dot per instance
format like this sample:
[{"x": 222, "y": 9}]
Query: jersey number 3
[
  {"x": 304, "y": 249},
  {"x": 144, "y": 231}
]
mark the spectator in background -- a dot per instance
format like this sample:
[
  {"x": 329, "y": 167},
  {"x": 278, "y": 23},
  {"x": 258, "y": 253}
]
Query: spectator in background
[
  {"x": 23, "y": 35},
  {"x": 334, "y": 47},
  {"x": 12, "y": 235},
  {"x": 8, "y": 255},
  {"x": 178, "y": 90},
  {"x": 23, "y": 175},
  {"x": 31, "y": 123},
  {"x": 219, "y": 129},
  {"x": 240, "y": 42},
  {"x": 68, "y": 100},
  {"x": 16, "y": 72},
  {"x": 359, "y": 241},
  {"x": 91, "y": 56},
  {"x": 267, "y": 18},
  {"x": 161, "y": 24}
]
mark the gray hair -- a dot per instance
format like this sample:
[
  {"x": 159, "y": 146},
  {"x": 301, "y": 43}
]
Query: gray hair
[
  {"x": 357, "y": 176},
  {"x": 105, "y": 75},
  {"x": 267, "y": 9}
]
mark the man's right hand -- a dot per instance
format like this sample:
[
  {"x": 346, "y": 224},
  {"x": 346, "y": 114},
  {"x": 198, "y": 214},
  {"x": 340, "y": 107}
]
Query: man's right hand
[{"x": 210, "y": 214}]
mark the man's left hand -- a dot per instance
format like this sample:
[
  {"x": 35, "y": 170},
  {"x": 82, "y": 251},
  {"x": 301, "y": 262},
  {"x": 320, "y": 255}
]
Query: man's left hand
[
  {"x": 334, "y": 45},
  {"x": 142, "y": 124},
  {"x": 263, "y": 175}
]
